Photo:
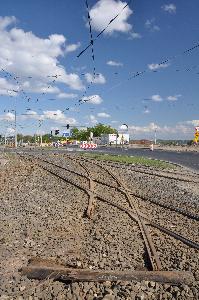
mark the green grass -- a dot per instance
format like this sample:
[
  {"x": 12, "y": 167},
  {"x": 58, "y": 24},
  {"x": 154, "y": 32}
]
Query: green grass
[{"x": 137, "y": 160}]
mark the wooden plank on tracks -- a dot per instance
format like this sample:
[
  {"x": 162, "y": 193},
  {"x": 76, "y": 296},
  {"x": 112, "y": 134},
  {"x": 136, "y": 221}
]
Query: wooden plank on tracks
[{"x": 41, "y": 269}]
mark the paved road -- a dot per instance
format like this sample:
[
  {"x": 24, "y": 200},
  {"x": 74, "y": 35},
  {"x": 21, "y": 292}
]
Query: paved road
[{"x": 187, "y": 159}]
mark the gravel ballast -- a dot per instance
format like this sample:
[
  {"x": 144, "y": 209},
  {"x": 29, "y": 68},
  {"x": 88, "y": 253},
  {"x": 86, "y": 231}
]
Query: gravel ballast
[{"x": 44, "y": 216}]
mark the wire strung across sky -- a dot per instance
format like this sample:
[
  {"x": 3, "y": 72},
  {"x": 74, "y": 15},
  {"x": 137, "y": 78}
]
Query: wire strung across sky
[
  {"x": 19, "y": 88},
  {"x": 91, "y": 38},
  {"x": 103, "y": 30},
  {"x": 9, "y": 76},
  {"x": 82, "y": 99},
  {"x": 147, "y": 70},
  {"x": 92, "y": 55}
]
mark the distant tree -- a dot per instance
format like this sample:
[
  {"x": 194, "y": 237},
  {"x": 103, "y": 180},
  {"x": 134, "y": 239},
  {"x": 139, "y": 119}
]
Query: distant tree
[
  {"x": 97, "y": 130},
  {"x": 47, "y": 138},
  {"x": 189, "y": 143},
  {"x": 19, "y": 137},
  {"x": 75, "y": 133},
  {"x": 100, "y": 129}
]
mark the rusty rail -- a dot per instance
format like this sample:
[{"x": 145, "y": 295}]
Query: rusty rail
[
  {"x": 177, "y": 236},
  {"x": 154, "y": 173},
  {"x": 167, "y": 206},
  {"x": 136, "y": 215},
  {"x": 178, "y": 210}
]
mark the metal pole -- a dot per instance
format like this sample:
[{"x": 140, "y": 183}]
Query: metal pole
[
  {"x": 155, "y": 137},
  {"x": 41, "y": 139},
  {"x": 5, "y": 140},
  {"x": 40, "y": 122},
  {"x": 15, "y": 128}
]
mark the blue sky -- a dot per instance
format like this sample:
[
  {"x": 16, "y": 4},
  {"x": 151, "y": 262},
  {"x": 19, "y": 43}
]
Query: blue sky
[{"x": 42, "y": 76}]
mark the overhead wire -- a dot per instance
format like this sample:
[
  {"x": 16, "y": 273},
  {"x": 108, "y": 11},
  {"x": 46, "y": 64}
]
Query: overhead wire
[
  {"x": 91, "y": 44},
  {"x": 104, "y": 29},
  {"x": 147, "y": 70},
  {"x": 92, "y": 55}
]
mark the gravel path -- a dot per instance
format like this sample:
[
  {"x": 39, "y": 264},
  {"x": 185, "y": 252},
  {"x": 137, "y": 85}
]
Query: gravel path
[{"x": 43, "y": 216}]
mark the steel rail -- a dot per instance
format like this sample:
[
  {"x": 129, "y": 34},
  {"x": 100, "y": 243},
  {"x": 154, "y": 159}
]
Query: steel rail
[
  {"x": 116, "y": 165},
  {"x": 177, "y": 236},
  {"x": 133, "y": 216},
  {"x": 142, "y": 197},
  {"x": 149, "y": 222},
  {"x": 178, "y": 210},
  {"x": 151, "y": 251}
]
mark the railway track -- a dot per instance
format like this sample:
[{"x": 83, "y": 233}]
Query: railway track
[
  {"x": 131, "y": 207},
  {"x": 138, "y": 195},
  {"x": 162, "y": 174}
]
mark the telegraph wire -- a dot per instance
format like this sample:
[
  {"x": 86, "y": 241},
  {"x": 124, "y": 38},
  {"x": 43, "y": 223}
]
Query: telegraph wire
[
  {"x": 135, "y": 74},
  {"x": 147, "y": 70},
  {"x": 91, "y": 38},
  {"x": 92, "y": 56},
  {"x": 104, "y": 29}
]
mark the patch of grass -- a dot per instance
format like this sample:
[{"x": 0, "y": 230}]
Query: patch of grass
[{"x": 137, "y": 160}]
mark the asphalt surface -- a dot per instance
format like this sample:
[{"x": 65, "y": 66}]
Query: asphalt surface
[{"x": 187, "y": 159}]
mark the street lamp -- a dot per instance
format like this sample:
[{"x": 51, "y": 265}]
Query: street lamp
[{"x": 155, "y": 135}]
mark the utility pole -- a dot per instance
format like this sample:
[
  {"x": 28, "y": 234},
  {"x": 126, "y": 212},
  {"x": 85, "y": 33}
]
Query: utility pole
[
  {"x": 41, "y": 141},
  {"x": 5, "y": 139},
  {"x": 122, "y": 140},
  {"x": 40, "y": 123},
  {"x": 155, "y": 137},
  {"x": 15, "y": 128}
]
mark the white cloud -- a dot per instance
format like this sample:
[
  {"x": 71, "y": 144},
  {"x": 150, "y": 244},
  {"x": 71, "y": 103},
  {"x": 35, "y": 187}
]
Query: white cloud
[
  {"x": 6, "y": 21},
  {"x": 25, "y": 54},
  {"x": 98, "y": 79},
  {"x": 150, "y": 25},
  {"x": 180, "y": 130},
  {"x": 93, "y": 99},
  {"x": 192, "y": 122},
  {"x": 143, "y": 129},
  {"x": 7, "y": 117},
  {"x": 173, "y": 98},
  {"x": 58, "y": 116},
  {"x": 34, "y": 86},
  {"x": 72, "y": 47},
  {"x": 7, "y": 88},
  {"x": 134, "y": 35},
  {"x": 105, "y": 10},
  {"x": 146, "y": 111},
  {"x": 114, "y": 63},
  {"x": 92, "y": 119},
  {"x": 157, "y": 66},
  {"x": 156, "y": 98},
  {"x": 30, "y": 114},
  {"x": 170, "y": 8},
  {"x": 103, "y": 115},
  {"x": 66, "y": 96},
  {"x": 10, "y": 130}
]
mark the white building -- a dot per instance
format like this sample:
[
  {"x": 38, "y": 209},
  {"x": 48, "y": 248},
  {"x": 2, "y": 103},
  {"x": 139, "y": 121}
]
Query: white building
[{"x": 123, "y": 138}]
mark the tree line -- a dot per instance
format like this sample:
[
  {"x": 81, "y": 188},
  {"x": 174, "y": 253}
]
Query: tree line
[{"x": 75, "y": 134}]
